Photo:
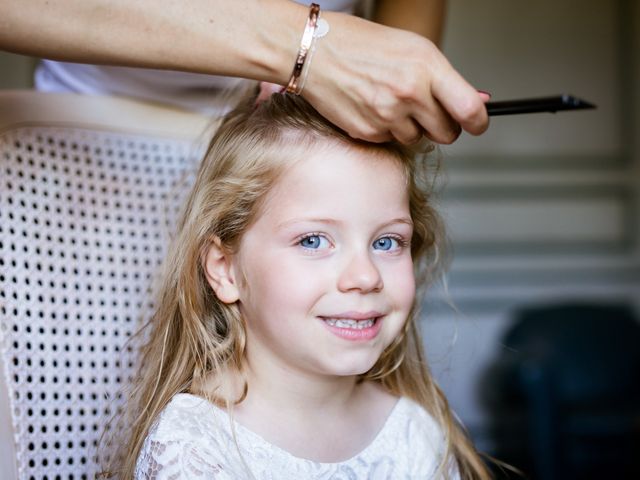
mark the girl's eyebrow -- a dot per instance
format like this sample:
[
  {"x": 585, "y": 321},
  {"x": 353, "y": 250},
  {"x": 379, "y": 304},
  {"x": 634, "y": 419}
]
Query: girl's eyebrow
[
  {"x": 396, "y": 221},
  {"x": 405, "y": 220},
  {"x": 293, "y": 221},
  {"x": 333, "y": 221}
]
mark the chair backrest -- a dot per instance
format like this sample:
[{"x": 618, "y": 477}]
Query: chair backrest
[
  {"x": 564, "y": 393},
  {"x": 85, "y": 183},
  {"x": 593, "y": 350}
]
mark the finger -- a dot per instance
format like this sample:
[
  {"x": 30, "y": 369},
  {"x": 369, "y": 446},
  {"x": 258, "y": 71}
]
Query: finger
[
  {"x": 266, "y": 90},
  {"x": 484, "y": 96},
  {"x": 370, "y": 135},
  {"x": 407, "y": 131},
  {"x": 438, "y": 125},
  {"x": 461, "y": 101},
  {"x": 355, "y": 121}
]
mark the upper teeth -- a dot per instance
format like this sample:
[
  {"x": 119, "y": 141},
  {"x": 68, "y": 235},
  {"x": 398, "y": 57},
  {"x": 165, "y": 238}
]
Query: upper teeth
[{"x": 348, "y": 323}]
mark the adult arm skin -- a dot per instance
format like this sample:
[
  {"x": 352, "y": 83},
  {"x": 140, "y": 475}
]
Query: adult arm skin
[
  {"x": 222, "y": 37},
  {"x": 373, "y": 81}
]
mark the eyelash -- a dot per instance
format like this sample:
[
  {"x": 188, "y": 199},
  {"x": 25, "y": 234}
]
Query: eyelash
[
  {"x": 302, "y": 238},
  {"x": 402, "y": 243}
]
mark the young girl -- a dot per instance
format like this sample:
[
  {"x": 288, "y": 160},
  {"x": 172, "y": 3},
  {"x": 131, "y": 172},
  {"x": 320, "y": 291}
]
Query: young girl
[{"x": 286, "y": 342}]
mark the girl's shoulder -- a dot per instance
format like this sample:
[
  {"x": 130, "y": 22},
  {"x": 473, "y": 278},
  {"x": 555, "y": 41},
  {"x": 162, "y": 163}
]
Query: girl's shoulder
[
  {"x": 188, "y": 440},
  {"x": 185, "y": 417},
  {"x": 411, "y": 445},
  {"x": 417, "y": 425},
  {"x": 406, "y": 421},
  {"x": 411, "y": 429}
]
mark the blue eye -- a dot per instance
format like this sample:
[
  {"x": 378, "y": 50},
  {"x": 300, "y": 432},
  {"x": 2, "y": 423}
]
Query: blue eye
[
  {"x": 386, "y": 243},
  {"x": 314, "y": 242}
]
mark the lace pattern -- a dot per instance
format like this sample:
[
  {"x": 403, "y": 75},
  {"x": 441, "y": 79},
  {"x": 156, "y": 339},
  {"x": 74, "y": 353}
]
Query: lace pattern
[{"x": 194, "y": 439}]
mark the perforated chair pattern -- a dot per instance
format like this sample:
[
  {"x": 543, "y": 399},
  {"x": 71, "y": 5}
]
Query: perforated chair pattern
[{"x": 83, "y": 228}]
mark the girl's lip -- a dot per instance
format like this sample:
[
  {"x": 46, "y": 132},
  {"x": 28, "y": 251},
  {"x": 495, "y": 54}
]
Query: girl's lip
[
  {"x": 356, "y": 334},
  {"x": 353, "y": 315}
]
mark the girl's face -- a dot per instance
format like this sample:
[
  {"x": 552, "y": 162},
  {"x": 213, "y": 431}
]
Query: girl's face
[{"x": 324, "y": 276}]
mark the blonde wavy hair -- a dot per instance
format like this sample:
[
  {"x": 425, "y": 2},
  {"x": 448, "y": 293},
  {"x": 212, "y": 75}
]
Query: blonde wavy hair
[{"x": 193, "y": 336}]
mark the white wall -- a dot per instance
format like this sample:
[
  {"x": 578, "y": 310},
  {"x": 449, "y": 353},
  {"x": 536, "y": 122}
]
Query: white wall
[{"x": 542, "y": 207}]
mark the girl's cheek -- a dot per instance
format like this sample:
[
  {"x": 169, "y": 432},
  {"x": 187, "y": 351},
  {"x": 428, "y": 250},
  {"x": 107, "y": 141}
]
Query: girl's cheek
[{"x": 404, "y": 278}]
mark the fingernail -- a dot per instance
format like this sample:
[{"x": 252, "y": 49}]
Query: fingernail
[
  {"x": 486, "y": 93},
  {"x": 266, "y": 90}
]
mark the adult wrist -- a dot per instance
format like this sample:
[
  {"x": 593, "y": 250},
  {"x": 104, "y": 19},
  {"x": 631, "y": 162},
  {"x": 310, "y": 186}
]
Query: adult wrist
[
  {"x": 277, "y": 39},
  {"x": 305, "y": 52}
]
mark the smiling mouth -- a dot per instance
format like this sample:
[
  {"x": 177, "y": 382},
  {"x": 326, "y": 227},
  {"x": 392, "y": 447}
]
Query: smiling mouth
[{"x": 351, "y": 323}]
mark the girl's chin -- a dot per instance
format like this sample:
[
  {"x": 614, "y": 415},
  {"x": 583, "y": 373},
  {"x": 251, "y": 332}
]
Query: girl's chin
[{"x": 352, "y": 370}]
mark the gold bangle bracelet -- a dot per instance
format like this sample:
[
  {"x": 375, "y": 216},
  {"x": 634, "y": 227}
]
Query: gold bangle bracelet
[{"x": 305, "y": 45}]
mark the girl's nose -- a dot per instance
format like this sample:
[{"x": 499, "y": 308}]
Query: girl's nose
[{"x": 360, "y": 274}]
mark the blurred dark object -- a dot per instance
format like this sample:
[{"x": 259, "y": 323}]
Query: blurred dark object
[{"x": 564, "y": 394}]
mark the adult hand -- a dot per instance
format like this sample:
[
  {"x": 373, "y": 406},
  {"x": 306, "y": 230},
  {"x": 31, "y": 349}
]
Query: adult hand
[
  {"x": 379, "y": 83},
  {"x": 374, "y": 82}
]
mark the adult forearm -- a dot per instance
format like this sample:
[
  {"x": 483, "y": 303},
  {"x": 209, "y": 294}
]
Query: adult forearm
[{"x": 249, "y": 38}]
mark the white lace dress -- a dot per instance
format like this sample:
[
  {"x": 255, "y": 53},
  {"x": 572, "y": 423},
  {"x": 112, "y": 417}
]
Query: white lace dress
[{"x": 194, "y": 439}]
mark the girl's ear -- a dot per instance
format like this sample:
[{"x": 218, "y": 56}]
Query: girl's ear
[{"x": 219, "y": 272}]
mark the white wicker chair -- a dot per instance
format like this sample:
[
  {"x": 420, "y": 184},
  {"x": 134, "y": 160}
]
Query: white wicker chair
[{"x": 84, "y": 182}]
